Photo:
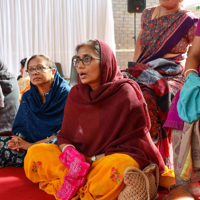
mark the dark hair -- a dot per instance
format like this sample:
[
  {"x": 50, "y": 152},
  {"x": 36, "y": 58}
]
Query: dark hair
[
  {"x": 23, "y": 61},
  {"x": 49, "y": 61},
  {"x": 93, "y": 44}
]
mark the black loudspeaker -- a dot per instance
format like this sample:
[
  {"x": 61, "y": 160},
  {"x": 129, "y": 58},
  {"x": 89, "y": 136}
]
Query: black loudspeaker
[{"x": 136, "y": 6}]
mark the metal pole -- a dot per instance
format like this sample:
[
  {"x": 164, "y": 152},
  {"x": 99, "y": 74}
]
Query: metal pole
[{"x": 135, "y": 28}]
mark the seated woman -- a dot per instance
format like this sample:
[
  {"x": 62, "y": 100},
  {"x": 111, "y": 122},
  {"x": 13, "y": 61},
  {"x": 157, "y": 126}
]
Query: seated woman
[
  {"x": 23, "y": 79},
  {"x": 9, "y": 100},
  {"x": 166, "y": 32},
  {"x": 40, "y": 114},
  {"x": 106, "y": 124}
]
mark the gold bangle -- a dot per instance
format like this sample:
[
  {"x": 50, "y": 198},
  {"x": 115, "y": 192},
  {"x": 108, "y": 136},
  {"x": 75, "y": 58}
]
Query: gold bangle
[
  {"x": 194, "y": 70},
  {"x": 68, "y": 145}
]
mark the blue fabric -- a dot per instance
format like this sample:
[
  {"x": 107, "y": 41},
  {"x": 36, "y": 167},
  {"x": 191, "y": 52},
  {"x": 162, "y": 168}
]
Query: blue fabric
[
  {"x": 188, "y": 105},
  {"x": 9, "y": 157},
  {"x": 36, "y": 121}
]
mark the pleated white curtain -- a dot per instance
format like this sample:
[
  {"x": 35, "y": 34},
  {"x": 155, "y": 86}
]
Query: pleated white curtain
[
  {"x": 188, "y": 3},
  {"x": 52, "y": 27}
]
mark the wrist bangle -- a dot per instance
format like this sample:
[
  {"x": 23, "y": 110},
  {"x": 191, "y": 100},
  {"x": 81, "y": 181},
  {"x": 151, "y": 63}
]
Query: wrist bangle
[
  {"x": 68, "y": 145},
  {"x": 194, "y": 70}
]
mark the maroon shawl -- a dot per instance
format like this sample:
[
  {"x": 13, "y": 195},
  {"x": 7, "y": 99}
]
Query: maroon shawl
[{"x": 111, "y": 119}]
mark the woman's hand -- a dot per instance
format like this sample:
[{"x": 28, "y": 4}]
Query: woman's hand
[{"x": 17, "y": 143}]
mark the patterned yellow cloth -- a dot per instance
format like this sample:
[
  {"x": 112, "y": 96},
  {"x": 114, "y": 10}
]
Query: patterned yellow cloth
[
  {"x": 104, "y": 180},
  {"x": 24, "y": 85},
  {"x": 43, "y": 166}
]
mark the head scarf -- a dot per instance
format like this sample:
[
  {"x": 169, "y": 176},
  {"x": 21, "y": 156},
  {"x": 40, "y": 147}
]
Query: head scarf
[
  {"x": 36, "y": 121},
  {"x": 111, "y": 119}
]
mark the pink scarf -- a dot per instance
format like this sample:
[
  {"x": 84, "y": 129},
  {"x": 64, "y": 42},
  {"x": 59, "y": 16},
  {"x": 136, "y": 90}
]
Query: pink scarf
[{"x": 77, "y": 174}]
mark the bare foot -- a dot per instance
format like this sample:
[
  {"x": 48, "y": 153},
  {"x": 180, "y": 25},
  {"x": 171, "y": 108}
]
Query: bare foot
[
  {"x": 180, "y": 192},
  {"x": 195, "y": 188}
]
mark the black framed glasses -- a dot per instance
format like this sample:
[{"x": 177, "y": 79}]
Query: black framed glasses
[
  {"x": 85, "y": 60},
  {"x": 39, "y": 68}
]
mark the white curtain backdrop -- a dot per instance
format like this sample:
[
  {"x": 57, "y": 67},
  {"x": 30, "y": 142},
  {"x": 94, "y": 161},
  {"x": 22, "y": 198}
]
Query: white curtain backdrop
[
  {"x": 52, "y": 27},
  {"x": 188, "y": 3}
]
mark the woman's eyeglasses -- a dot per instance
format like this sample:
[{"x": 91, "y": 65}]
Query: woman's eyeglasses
[
  {"x": 85, "y": 60},
  {"x": 39, "y": 68}
]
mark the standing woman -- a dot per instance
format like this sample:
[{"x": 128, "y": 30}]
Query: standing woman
[
  {"x": 40, "y": 114},
  {"x": 105, "y": 129},
  {"x": 166, "y": 32}
]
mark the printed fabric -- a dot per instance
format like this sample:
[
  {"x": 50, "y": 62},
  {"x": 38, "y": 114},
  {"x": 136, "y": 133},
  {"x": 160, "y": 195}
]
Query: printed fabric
[
  {"x": 165, "y": 34},
  {"x": 159, "y": 81},
  {"x": 76, "y": 177},
  {"x": 24, "y": 85}
]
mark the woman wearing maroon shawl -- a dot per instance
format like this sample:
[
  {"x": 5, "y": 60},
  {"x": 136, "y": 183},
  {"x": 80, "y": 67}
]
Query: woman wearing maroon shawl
[
  {"x": 107, "y": 121},
  {"x": 166, "y": 32}
]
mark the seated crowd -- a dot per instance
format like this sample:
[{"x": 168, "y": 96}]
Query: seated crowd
[{"x": 92, "y": 140}]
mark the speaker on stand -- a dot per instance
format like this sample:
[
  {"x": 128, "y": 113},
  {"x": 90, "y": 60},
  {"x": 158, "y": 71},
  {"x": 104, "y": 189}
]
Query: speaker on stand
[{"x": 136, "y": 6}]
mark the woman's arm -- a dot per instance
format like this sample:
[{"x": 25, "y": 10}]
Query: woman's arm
[
  {"x": 45, "y": 140},
  {"x": 88, "y": 159},
  {"x": 137, "y": 48},
  {"x": 193, "y": 59},
  {"x": 17, "y": 143},
  {"x": 97, "y": 157}
]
